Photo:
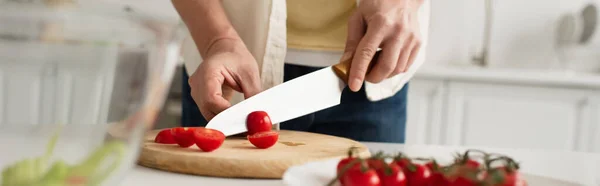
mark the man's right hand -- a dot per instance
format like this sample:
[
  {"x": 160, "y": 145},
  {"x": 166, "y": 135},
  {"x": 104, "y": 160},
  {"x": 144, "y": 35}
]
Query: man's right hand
[{"x": 228, "y": 66}]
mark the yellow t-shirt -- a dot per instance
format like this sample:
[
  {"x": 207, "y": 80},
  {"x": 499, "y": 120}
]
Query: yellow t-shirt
[{"x": 318, "y": 24}]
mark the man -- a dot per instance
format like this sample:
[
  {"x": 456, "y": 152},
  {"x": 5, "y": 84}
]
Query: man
[{"x": 244, "y": 43}]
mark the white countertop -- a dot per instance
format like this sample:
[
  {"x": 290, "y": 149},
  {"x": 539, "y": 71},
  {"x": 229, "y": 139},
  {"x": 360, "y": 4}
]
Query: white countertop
[
  {"x": 569, "y": 166},
  {"x": 513, "y": 76}
]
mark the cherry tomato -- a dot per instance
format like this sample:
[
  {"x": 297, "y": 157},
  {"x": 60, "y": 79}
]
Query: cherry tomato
[
  {"x": 438, "y": 177},
  {"x": 345, "y": 162},
  {"x": 416, "y": 174},
  {"x": 391, "y": 175},
  {"x": 470, "y": 163},
  {"x": 360, "y": 177},
  {"x": 376, "y": 163},
  {"x": 502, "y": 177},
  {"x": 184, "y": 136},
  {"x": 264, "y": 140},
  {"x": 165, "y": 137},
  {"x": 208, "y": 139},
  {"x": 463, "y": 175},
  {"x": 258, "y": 121}
]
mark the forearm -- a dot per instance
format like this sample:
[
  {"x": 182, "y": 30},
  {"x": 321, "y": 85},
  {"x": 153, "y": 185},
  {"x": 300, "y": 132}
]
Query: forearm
[{"x": 207, "y": 23}]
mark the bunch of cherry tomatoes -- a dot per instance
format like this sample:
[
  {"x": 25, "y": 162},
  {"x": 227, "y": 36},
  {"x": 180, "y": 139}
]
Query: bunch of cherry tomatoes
[
  {"x": 473, "y": 168},
  {"x": 259, "y": 134}
]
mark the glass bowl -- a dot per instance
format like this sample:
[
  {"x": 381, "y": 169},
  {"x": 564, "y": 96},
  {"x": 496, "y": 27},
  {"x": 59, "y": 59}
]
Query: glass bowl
[{"x": 80, "y": 83}]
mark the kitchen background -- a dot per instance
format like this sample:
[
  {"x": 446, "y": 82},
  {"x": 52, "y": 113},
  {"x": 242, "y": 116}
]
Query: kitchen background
[
  {"x": 503, "y": 73},
  {"x": 499, "y": 73}
]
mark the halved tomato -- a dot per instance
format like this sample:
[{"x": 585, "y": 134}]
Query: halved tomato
[
  {"x": 258, "y": 121},
  {"x": 165, "y": 137},
  {"x": 184, "y": 136},
  {"x": 208, "y": 139},
  {"x": 264, "y": 140}
]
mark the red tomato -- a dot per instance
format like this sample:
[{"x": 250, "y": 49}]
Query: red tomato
[
  {"x": 472, "y": 164},
  {"x": 358, "y": 177},
  {"x": 342, "y": 164},
  {"x": 258, "y": 121},
  {"x": 464, "y": 175},
  {"x": 391, "y": 175},
  {"x": 502, "y": 177},
  {"x": 437, "y": 174},
  {"x": 183, "y": 136},
  {"x": 165, "y": 137},
  {"x": 376, "y": 163},
  {"x": 345, "y": 162},
  {"x": 416, "y": 174},
  {"x": 208, "y": 139},
  {"x": 465, "y": 172},
  {"x": 264, "y": 140}
]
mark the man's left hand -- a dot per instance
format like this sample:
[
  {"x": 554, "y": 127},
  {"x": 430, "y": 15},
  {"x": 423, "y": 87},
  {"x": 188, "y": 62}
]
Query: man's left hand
[{"x": 391, "y": 25}]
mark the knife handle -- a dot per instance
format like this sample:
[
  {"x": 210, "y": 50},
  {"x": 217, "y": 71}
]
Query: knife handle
[{"x": 342, "y": 69}]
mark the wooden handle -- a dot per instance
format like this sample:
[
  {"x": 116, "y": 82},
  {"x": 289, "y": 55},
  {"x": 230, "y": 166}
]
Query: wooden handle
[{"x": 342, "y": 69}]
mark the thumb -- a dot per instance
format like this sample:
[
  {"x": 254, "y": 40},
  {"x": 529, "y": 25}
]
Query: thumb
[{"x": 356, "y": 31}]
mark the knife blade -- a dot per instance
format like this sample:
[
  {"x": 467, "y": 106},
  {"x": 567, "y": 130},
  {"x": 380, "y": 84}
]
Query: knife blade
[{"x": 297, "y": 97}]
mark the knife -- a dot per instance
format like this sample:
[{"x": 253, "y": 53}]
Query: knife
[{"x": 303, "y": 95}]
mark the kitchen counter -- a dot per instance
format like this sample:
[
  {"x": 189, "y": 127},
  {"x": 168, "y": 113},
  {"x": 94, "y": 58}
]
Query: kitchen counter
[
  {"x": 513, "y": 76},
  {"x": 583, "y": 167}
]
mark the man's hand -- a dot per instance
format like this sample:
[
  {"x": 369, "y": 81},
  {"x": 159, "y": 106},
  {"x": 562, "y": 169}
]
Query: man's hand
[
  {"x": 391, "y": 25},
  {"x": 228, "y": 66}
]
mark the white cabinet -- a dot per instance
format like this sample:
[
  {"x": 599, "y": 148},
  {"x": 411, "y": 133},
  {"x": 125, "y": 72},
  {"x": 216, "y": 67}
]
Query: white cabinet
[
  {"x": 514, "y": 116},
  {"x": 593, "y": 129},
  {"x": 480, "y": 113},
  {"x": 425, "y": 109}
]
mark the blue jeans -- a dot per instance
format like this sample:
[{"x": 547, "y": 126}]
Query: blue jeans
[{"x": 356, "y": 117}]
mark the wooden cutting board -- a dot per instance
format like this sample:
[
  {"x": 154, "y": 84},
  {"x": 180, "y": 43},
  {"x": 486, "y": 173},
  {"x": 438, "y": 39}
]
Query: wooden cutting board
[{"x": 238, "y": 158}]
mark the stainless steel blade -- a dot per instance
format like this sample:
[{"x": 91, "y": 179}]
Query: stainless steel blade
[{"x": 300, "y": 96}]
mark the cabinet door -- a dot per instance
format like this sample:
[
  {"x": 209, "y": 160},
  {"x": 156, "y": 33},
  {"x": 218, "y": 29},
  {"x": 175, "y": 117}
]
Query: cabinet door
[
  {"x": 592, "y": 136},
  {"x": 425, "y": 104},
  {"x": 495, "y": 115}
]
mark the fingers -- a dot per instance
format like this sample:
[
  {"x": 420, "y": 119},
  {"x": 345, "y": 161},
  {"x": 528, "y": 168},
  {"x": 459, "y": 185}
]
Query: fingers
[
  {"x": 212, "y": 100},
  {"x": 413, "y": 55},
  {"x": 250, "y": 81},
  {"x": 386, "y": 62},
  {"x": 356, "y": 30},
  {"x": 402, "y": 63},
  {"x": 362, "y": 57}
]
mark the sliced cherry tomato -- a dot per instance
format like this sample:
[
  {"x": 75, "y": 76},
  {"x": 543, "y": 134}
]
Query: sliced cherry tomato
[
  {"x": 416, "y": 174},
  {"x": 264, "y": 140},
  {"x": 208, "y": 139},
  {"x": 258, "y": 121},
  {"x": 362, "y": 176},
  {"x": 165, "y": 137},
  {"x": 184, "y": 136},
  {"x": 391, "y": 175}
]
